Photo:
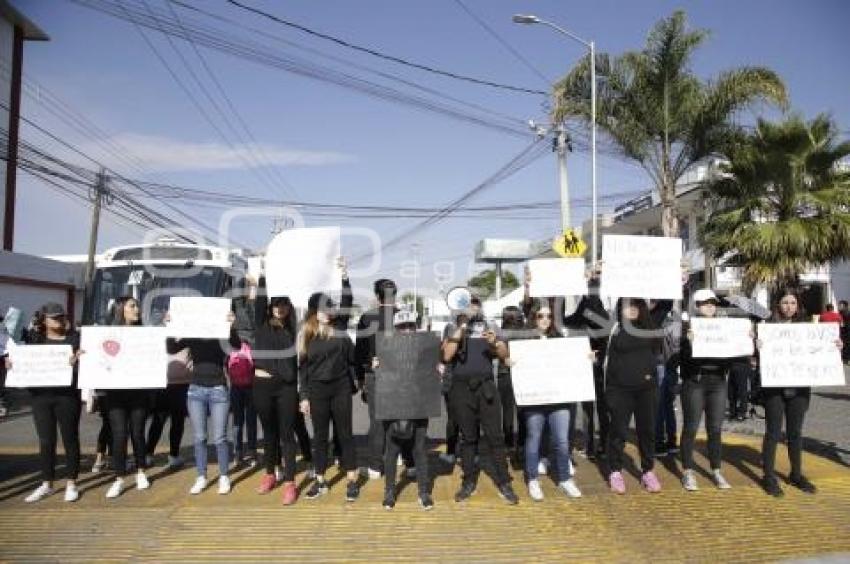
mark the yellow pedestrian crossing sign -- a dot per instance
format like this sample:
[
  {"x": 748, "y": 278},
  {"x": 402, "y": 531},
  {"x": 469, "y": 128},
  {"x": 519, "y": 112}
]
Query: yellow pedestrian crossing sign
[{"x": 569, "y": 245}]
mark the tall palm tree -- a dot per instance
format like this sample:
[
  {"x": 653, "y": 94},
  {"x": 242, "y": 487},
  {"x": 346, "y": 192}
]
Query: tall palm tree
[
  {"x": 657, "y": 111},
  {"x": 782, "y": 205}
]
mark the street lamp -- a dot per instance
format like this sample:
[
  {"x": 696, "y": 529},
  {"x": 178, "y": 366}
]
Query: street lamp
[{"x": 532, "y": 19}]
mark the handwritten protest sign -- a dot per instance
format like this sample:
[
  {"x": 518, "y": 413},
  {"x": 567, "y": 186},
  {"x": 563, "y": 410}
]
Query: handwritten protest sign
[
  {"x": 800, "y": 354},
  {"x": 547, "y": 371},
  {"x": 721, "y": 337},
  {"x": 302, "y": 261},
  {"x": 557, "y": 277},
  {"x": 35, "y": 366},
  {"x": 199, "y": 318},
  {"x": 641, "y": 267},
  {"x": 123, "y": 358},
  {"x": 407, "y": 384}
]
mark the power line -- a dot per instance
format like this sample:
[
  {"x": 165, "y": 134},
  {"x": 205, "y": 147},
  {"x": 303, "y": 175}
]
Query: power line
[
  {"x": 504, "y": 43},
  {"x": 385, "y": 56}
]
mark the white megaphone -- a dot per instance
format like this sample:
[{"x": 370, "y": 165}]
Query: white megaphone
[{"x": 459, "y": 298}]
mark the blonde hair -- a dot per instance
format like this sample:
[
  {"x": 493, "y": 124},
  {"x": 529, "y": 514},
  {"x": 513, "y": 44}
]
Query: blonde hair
[{"x": 310, "y": 331}]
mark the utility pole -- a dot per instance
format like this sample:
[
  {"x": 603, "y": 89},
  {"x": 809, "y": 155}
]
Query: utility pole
[
  {"x": 415, "y": 249},
  {"x": 98, "y": 193},
  {"x": 561, "y": 148}
]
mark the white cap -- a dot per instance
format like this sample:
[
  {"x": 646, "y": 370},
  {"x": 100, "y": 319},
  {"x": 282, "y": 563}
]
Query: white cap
[
  {"x": 704, "y": 295},
  {"x": 404, "y": 317}
]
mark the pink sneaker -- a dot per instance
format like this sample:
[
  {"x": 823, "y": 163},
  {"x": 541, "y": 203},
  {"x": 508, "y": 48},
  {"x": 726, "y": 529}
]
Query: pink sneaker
[
  {"x": 650, "y": 481},
  {"x": 618, "y": 485},
  {"x": 267, "y": 483}
]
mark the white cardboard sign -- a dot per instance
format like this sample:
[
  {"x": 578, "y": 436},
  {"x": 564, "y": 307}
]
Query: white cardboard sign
[
  {"x": 300, "y": 262},
  {"x": 557, "y": 277},
  {"x": 35, "y": 366},
  {"x": 116, "y": 358},
  {"x": 641, "y": 267},
  {"x": 800, "y": 354},
  {"x": 199, "y": 318},
  {"x": 721, "y": 337},
  {"x": 549, "y": 371}
]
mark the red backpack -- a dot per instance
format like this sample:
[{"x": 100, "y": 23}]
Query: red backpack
[{"x": 240, "y": 366}]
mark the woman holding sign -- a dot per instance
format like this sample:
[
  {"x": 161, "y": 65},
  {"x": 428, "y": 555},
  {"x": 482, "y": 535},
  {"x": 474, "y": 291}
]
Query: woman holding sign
[
  {"x": 557, "y": 416},
  {"x": 703, "y": 390},
  {"x": 127, "y": 409},
  {"x": 790, "y": 404},
  {"x": 276, "y": 393},
  {"x": 631, "y": 387},
  {"x": 326, "y": 363},
  {"x": 55, "y": 405}
]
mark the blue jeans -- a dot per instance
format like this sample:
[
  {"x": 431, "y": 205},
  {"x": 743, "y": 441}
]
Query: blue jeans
[
  {"x": 558, "y": 418},
  {"x": 665, "y": 421},
  {"x": 215, "y": 401},
  {"x": 244, "y": 418}
]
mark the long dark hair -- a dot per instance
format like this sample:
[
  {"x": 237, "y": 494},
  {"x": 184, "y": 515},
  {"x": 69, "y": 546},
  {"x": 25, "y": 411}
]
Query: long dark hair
[
  {"x": 644, "y": 320},
  {"x": 117, "y": 312},
  {"x": 287, "y": 323},
  {"x": 777, "y": 314}
]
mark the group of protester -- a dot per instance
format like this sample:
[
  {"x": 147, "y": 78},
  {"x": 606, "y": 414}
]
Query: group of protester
[{"x": 282, "y": 370}]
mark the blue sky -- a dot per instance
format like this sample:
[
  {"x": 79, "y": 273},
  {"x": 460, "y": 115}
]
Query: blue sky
[{"x": 363, "y": 150}]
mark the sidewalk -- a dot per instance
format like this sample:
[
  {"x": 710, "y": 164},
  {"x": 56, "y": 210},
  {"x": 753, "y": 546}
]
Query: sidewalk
[{"x": 166, "y": 524}]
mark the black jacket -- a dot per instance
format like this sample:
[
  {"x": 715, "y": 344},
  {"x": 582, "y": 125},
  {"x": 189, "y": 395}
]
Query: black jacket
[
  {"x": 695, "y": 368},
  {"x": 208, "y": 357},
  {"x": 372, "y": 322},
  {"x": 632, "y": 361}
]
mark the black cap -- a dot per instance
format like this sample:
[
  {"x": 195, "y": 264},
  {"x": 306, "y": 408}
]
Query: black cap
[{"x": 52, "y": 309}]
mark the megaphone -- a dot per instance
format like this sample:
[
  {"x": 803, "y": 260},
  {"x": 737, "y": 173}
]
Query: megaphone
[{"x": 459, "y": 298}]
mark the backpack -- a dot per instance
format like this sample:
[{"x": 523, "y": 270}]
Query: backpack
[{"x": 240, "y": 366}]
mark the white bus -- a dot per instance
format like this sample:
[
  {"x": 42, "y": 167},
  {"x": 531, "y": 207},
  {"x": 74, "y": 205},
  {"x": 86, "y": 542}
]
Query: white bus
[{"x": 153, "y": 272}]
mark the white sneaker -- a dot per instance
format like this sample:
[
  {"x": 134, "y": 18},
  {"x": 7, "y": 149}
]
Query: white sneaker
[
  {"x": 534, "y": 490},
  {"x": 223, "y": 485},
  {"x": 543, "y": 467},
  {"x": 40, "y": 493},
  {"x": 410, "y": 473},
  {"x": 142, "y": 482},
  {"x": 71, "y": 492},
  {"x": 311, "y": 473},
  {"x": 570, "y": 488},
  {"x": 720, "y": 481},
  {"x": 115, "y": 489},
  {"x": 373, "y": 474},
  {"x": 174, "y": 462},
  {"x": 199, "y": 485},
  {"x": 571, "y": 466},
  {"x": 278, "y": 475},
  {"x": 399, "y": 461},
  {"x": 98, "y": 466},
  {"x": 689, "y": 481}
]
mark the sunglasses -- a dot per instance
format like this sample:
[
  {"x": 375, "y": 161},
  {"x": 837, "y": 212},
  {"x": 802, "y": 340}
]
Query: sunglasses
[{"x": 544, "y": 316}]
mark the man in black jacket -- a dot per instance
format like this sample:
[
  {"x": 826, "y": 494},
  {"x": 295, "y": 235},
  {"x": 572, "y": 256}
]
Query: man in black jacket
[{"x": 373, "y": 321}]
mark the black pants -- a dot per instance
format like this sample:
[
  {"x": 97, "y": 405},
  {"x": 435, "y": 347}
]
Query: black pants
[
  {"x": 452, "y": 428},
  {"x": 169, "y": 403},
  {"x": 417, "y": 445},
  {"x": 603, "y": 414},
  {"x": 104, "y": 436},
  {"x": 506, "y": 396},
  {"x": 303, "y": 437},
  {"x": 50, "y": 409},
  {"x": 740, "y": 376},
  {"x": 377, "y": 433},
  {"x": 332, "y": 401},
  {"x": 128, "y": 409},
  {"x": 623, "y": 403},
  {"x": 479, "y": 407},
  {"x": 708, "y": 395},
  {"x": 276, "y": 403},
  {"x": 776, "y": 405}
]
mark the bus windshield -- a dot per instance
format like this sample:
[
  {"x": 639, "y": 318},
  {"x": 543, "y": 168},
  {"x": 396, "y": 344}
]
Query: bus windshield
[{"x": 158, "y": 287}]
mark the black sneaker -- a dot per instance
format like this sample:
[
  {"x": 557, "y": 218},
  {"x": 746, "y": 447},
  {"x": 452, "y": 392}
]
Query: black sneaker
[
  {"x": 389, "y": 500},
  {"x": 672, "y": 449},
  {"x": 352, "y": 491},
  {"x": 426, "y": 502},
  {"x": 316, "y": 490},
  {"x": 507, "y": 493},
  {"x": 771, "y": 486},
  {"x": 803, "y": 484},
  {"x": 660, "y": 450},
  {"x": 465, "y": 492}
]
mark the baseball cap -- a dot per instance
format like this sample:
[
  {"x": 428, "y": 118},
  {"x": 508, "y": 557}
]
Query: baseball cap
[
  {"x": 705, "y": 295},
  {"x": 52, "y": 309}
]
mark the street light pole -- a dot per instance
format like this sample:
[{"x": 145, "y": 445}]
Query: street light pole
[{"x": 591, "y": 46}]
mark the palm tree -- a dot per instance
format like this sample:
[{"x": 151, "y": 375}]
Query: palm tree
[
  {"x": 782, "y": 205},
  {"x": 657, "y": 112}
]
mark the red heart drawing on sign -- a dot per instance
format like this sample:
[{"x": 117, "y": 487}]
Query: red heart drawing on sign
[{"x": 112, "y": 348}]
